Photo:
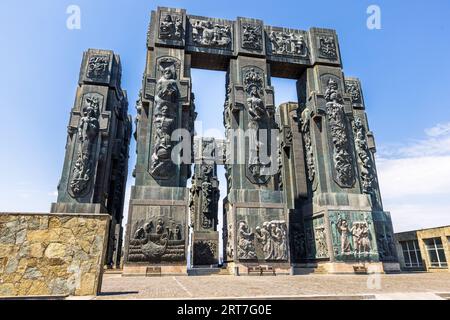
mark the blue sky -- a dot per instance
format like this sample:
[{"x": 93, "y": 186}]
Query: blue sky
[{"x": 404, "y": 67}]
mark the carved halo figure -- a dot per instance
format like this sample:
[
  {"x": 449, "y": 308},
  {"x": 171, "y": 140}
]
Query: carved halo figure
[
  {"x": 246, "y": 248},
  {"x": 344, "y": 231},
  {"x": 263, "y": 236}
]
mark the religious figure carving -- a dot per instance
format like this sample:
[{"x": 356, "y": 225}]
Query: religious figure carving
[
  {"x": 252, "y": 37},
  {"x": 229, "y": 249},
  {"x": 361, "y": 237},
  {"x": 88, "y": 130},
  {"x": 205, "y": 252},
  {"x": 305, "y": 123},
  {"x": 343, "y": 160},
  {"x": 321, "y": 242},
  {"x": 273, "y": 238},
  {"x": 253, "y": 82},
  {"x": 286, "y": 43},
  {"x": 246, "y": 249},
  {"x": 352, "y": 88},
  {"x": 344, "y": 231},
  {"x": 171, "y": 27},
  {"x": 97, "y": 67},
  {"x": 165, "y": 115},
  {"x": 163, "y": 244},
  {"x": 205, "y": 33},
  {"x": 364, "y": 154},
  {"x": 327, "y": 47}
]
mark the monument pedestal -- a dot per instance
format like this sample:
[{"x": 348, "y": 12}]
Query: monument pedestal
[
  {"x": 205, "y": 246},
  {"x": 156, "y": 240}
]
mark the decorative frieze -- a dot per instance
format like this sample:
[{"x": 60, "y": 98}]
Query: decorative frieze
[
  {"x": 252, "y": 36},
  {"x": 327, "y": 47},
  {"x": 171, "y": 26},
  {"x": 211, "y": 34},
  {"x": 288, "y": 43}
]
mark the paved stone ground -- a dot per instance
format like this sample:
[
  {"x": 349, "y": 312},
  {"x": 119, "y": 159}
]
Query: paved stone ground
[{"x": 397, "y": 286}]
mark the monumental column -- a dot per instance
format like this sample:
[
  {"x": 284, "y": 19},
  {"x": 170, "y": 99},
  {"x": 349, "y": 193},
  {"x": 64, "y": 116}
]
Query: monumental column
[{"x": 96, "y": 161}]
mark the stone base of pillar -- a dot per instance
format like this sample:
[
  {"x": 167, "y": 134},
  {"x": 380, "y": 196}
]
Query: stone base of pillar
[
  {"x": 346, "y": 268},
  {"x": 130, "y": 270},
  {"x": 259, "y": 269}
]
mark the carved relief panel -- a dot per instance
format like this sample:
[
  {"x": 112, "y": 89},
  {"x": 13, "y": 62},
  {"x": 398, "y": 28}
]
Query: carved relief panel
[
  {"x": 325, "y": 46},
  {"x": 158, "y": 238},
  {"x": 353, "y": 89},
  {"x": 354, "y": 237},
  {"x": 260, "y": 238},
  {"x": 251, "y": 36},
  {"x": 339, "y": 132},
  {"x": 211, "y": 33},
  {"x": 285, "y": 42},
  {"x": 261, "y": 159},
  {"x": 86, "y": 147},
  {"x": 316, "y": 238}
]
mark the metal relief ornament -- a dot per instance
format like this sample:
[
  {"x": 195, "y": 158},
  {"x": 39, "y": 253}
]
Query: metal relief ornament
[
  {"x": 209, "y": 34},
  {"x": 171, "y": 27},
  {"x": 252, "y": 37},
  {"x": 337, "y": 123},
  {"x": 272, "y": 236},
  {"x": 88, "y": 130},
  {"x": 285, "y": 43},
  {"x": 305, "y": 123},
  {"x": 327, "y": 47},
  {"x": 98, "y": 67},
  {"x": 165, "y": 119}
]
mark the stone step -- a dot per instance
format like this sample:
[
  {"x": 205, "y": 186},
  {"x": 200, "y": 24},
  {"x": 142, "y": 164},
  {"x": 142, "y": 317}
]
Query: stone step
[{"x": 207, "y": 272}]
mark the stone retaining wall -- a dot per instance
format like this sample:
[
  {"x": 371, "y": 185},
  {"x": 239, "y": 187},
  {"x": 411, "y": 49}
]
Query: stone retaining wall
[{"x": 52, "y": 254}]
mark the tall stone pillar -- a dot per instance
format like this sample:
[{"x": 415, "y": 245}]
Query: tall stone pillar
[
  {"x": 255, "y": 219},
  {"x": 157, "y": 229},
  {"x": 343, "y": 223},
  {"x": 96, "y": 161},
  {"x": 204, "y": 200}
]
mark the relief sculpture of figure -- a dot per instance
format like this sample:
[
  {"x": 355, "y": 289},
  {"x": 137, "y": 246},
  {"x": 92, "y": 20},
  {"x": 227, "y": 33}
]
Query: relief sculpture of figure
[
  {"x": 288, "y": 43},
  {"x": 208, "y": 34},
  {"x": 88, "y": 131},
  {"x": 165, "y": 113},
  {"x": 229, "y": 250},
  {"x": 170, "y": 29},
  {"x": 343, "y": 160},
  {"x": 306, "y": 131},
  {"x": 273, "y": 238},
  {"x": 258, "y": 116},
  {"x": 344, "y": 231},
  {"x": 263, "y": 237},
  {"x": 361, "y": 236},
  {"x": 246, "y": 248}
]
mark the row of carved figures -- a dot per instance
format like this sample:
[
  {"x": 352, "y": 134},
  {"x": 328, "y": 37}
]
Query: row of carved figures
[{"x": 271, "y": 237}]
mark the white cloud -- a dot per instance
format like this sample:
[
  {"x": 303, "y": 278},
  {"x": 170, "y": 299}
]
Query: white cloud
[
  {"x": 415, "y": 180},
  {"x": 438, "y": 130}
]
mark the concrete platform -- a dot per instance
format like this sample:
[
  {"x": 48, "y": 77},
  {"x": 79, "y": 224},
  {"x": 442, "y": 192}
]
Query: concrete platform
[{"x": 418, "y": 286}]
